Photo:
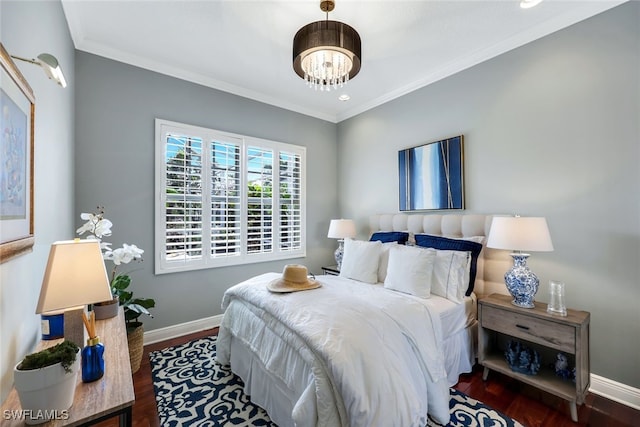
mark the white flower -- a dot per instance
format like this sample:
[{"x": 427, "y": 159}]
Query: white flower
[
  {"x": 103, "y": 228},
  {"x": 95, "y": 224},
  {"x": 99, "y": 226},
  {"x": 124, "y": 255}
]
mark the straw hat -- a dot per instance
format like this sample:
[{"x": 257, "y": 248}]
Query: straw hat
[{"x": 294, "y": 278}]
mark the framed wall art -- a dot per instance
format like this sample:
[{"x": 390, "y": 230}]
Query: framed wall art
[
  {"x": 17, "y": 105},
  {"x": 431, "y": 176}
]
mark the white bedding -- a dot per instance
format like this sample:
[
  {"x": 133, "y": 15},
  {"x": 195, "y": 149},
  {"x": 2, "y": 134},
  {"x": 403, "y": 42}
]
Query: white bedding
[
  {"x": 458, "y": 322},
  {"x": 367, "y": 356},
  {"x": 454, "y": 317}
]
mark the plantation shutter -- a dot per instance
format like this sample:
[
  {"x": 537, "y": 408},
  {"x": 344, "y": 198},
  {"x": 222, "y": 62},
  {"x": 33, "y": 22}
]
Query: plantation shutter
[
  {"x": 183, "y": 177},
  {"x": 226, "y": 199},
  {"x": 259, "y": 166},
  {"x": 290, "y": 195}
]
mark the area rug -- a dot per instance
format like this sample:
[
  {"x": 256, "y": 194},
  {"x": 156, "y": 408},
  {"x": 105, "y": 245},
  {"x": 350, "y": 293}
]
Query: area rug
[{"x": 192, "y": 390}]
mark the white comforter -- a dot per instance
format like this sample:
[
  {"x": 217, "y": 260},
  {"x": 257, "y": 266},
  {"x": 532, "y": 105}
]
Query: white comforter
[{"x": 375, "y": 354}]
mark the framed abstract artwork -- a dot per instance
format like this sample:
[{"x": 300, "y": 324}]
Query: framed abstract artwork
[
  {"x": 431, "y": 176},
  {"x": 17, "y": 105}
]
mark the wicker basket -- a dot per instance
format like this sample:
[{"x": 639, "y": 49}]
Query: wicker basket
[{"x": 135, "y": 339}]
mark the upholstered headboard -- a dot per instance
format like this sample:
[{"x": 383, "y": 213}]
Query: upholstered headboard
[{"x": 492, "y": 263}]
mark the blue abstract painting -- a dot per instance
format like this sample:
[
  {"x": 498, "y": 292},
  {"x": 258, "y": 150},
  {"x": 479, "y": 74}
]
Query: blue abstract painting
[{"x": 431, "y": 176}]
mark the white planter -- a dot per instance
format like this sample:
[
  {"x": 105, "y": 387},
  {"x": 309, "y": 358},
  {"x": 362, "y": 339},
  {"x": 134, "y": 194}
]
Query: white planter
[{"x": 46, "y": 392}]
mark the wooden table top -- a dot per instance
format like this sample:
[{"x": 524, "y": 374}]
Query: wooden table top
[{"x": 112, "y": 392}]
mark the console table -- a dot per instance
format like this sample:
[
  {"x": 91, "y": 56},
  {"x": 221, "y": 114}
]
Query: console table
[{"x": 110, "y": 396}]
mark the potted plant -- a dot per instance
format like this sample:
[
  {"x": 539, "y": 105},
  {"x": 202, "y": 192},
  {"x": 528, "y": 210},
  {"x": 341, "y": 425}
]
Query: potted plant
[
  {"x": 46, "y": 381},
  {"x": 98, "y": 226},
  {"x": 133, "y": 307}
]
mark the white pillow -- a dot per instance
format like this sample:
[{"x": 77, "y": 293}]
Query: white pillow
[
  {"x": 360, "y": 260},
  {"x": 451, "y": 274},
  {"x": 410, "y": 270},
  {"x": 477, "y": 239},
  {"x": 384, "y": 261}
]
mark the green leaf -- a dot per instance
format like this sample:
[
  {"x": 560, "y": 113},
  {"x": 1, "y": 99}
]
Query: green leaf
[
  {"x": 139, "y": 309},
  {"x": 120, "y": 282}
]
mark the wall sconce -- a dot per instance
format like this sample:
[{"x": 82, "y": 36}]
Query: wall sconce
[{"x": 49, "y": 64}]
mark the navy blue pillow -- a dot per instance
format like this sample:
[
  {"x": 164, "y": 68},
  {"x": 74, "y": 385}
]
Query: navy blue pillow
[
  {"x": 446, "y": 244},
  {"x": 390, "y": 236}
]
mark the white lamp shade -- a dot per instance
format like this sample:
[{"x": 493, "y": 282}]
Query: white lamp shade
[
  {"x": 520, "y": 234},
  {"x": 341, "y": 229},
  {"x": 75, "y": 275}
]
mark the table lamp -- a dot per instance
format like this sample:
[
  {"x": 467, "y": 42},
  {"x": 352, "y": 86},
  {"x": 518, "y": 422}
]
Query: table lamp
[
  {"x": 341, "y": 229},
  {"x": 75, "y": 276},
  {"x": 520, "y": 234}
]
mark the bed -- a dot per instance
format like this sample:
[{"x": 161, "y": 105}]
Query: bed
[{"x": 369, "y": 354}]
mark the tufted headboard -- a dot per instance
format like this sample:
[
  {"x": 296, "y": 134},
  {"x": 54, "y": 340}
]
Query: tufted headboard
[{"x": 492, "y": 263}]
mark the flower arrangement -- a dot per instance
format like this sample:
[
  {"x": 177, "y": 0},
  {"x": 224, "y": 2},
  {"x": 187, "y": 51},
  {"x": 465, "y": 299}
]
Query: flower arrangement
[{"x": 98, "y": 227}]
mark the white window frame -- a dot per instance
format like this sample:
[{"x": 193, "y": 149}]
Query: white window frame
[{"x": 162, "y": 265}]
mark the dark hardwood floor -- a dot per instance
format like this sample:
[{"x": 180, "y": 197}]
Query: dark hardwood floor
[{"x": 530, "y": 407}]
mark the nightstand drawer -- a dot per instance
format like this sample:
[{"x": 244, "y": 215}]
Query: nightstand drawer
[{"x": 548, "y": 333}]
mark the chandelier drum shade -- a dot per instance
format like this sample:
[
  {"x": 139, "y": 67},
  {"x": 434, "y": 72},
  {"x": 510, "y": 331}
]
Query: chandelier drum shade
[{"x": 326, "y": 54}]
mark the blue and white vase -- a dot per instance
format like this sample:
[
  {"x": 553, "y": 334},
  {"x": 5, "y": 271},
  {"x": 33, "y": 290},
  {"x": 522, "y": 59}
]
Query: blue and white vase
[
  {"x": 339, "y": 253},
  {"x": 521, "y": 283}
]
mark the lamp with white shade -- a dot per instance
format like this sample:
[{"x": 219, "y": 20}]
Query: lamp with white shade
[
  {"x": 341, "y": 229},
  {"x": 74, "y": 277},
  {"x": 520, "y": 235}
]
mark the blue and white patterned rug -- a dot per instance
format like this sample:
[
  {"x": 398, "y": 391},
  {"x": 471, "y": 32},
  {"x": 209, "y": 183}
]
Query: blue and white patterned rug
[{"x": 192, "y": 390}]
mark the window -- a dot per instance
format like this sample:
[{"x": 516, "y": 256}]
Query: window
[{"x": 226, "y": 199}]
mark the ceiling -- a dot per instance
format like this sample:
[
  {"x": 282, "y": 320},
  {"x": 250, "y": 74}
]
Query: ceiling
[{"x": 245, "y": 47}]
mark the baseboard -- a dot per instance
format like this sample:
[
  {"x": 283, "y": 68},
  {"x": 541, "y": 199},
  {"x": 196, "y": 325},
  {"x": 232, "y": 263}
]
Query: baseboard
[
  {"x": 616, "y": 391},
  {"x": 181, "y": 329},
  {"x": 601, "y": 386}
]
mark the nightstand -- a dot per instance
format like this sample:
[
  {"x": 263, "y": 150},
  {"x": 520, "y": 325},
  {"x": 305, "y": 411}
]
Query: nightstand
[
  {"x": 499, "y": 321},
  {"x": 331, "y": 270}
]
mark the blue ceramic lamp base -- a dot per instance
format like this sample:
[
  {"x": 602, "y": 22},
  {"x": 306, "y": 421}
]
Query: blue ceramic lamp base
[
  {"x": 521, "y": 283},
  {"x": 339, "y": 253}
]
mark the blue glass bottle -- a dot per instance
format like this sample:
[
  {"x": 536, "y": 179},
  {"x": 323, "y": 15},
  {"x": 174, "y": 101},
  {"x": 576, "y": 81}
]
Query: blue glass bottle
[{"x": 92, "y": 360}]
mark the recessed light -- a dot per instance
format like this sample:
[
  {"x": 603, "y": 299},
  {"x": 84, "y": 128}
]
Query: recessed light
[
  {"x": 527, "y": 4},
  {"x": 344, "y": 97}
]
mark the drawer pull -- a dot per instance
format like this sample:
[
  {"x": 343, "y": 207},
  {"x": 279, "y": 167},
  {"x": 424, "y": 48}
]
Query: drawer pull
[{"x": 526, "y": 328}]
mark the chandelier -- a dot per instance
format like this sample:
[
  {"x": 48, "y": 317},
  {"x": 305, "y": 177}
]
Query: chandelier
[{"x": 326, "y": 54}]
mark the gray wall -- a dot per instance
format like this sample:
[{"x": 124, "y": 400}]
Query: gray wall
[
  {"x": 28, "y": 29},
  {"x": 551, "y": 129},
  {"x": 116, "y": 105}
]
